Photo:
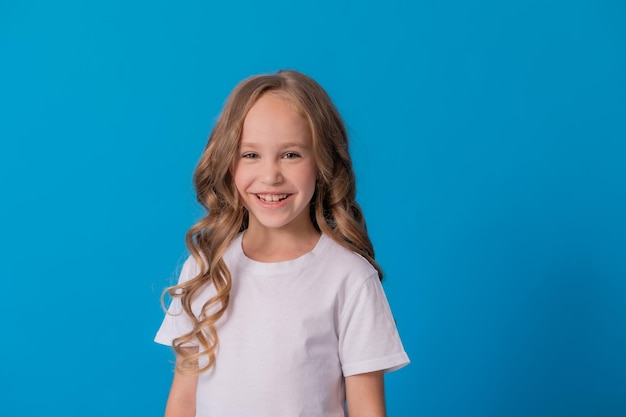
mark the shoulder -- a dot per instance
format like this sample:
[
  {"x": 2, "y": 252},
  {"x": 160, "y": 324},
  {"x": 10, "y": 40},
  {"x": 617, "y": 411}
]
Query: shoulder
[
  {"x": 348, "y": 260},
  {"x": 344, "y": 270},
  {"x": 191, "y": 267},
  {"x": 189, "y": 270}
]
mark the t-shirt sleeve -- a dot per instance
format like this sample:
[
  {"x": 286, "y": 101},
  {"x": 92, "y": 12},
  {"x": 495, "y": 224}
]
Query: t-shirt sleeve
[
  {"x": 176, "y": 322},
  {"x": 368, "y": 336}
]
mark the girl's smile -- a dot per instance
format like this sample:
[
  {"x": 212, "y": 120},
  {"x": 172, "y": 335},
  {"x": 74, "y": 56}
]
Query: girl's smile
[{"x": 272, "y": 198}]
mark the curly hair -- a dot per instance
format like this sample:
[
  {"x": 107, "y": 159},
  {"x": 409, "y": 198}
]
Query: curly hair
[{"x": 333, "y": 209}]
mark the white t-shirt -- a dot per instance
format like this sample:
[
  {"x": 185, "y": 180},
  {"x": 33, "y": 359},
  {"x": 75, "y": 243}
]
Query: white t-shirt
[{"x": 291, "y": 333}]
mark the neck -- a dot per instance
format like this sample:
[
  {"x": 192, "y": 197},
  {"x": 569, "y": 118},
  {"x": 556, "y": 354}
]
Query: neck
[{"x": 277, "y": 245}]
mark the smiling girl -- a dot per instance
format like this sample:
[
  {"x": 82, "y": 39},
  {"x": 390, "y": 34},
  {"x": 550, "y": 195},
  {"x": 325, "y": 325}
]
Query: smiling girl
[{"x": 279, "y": 310}]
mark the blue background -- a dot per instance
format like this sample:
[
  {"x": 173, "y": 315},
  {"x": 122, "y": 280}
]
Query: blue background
[{"x": 489, "y": 140}]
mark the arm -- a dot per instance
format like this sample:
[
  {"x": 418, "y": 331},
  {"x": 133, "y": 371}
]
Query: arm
[
  {"x": 182, "y": 399},
  {"x": 365, "y": 394}
]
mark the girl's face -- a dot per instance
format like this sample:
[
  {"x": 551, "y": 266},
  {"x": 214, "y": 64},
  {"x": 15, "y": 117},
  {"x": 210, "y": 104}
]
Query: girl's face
[{"x": 275, "y": 169}]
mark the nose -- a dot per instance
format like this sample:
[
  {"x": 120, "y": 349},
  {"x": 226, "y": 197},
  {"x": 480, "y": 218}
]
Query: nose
[{"x": 271, "y": 174}]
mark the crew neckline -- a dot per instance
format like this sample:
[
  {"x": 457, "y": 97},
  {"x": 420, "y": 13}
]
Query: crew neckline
[{"x": 281, "y": 267}]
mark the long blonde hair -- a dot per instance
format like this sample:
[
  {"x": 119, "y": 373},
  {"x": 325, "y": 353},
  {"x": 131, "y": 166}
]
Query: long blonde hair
[{"x": 334, "y": 210}]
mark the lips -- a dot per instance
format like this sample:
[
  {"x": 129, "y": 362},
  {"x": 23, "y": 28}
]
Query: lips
[{"x": 272, "y": 198}]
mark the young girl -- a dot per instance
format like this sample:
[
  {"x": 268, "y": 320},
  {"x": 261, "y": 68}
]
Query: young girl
[{"x": 279, "y": 310}]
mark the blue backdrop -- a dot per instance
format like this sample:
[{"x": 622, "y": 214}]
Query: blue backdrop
[{"x": 489, "y": 141}]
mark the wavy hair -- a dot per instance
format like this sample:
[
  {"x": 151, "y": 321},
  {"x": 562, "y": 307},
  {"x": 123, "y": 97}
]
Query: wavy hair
[{"x": 334, "y": 210}]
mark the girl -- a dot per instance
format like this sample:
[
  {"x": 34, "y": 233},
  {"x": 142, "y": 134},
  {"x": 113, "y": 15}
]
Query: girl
[{"x": 279, "y": 310}]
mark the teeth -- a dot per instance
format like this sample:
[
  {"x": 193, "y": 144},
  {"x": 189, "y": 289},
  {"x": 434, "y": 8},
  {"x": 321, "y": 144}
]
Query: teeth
[{"x": 271, "y": 197}]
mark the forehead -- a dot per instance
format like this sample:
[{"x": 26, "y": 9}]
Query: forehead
[{"x": 275, "y": 117}]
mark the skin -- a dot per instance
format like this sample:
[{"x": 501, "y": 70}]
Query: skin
[
  {"x": 182, "y": 399},
  {"x": 275, "y": 174},
  {"x": 276, "y": 162},
  {"x": 365, "y": 395}
]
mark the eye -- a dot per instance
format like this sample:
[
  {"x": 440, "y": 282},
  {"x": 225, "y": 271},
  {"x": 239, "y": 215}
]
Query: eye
[
  {"x": 250, "y": 155},
  {"x": 291, "y": 155}
]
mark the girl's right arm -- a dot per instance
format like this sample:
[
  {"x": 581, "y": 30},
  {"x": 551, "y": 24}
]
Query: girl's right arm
[{"x": 182, "y": 399}]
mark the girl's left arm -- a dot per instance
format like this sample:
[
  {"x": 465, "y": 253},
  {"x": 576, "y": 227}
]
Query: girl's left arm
[{"x": 365, "y": 394}]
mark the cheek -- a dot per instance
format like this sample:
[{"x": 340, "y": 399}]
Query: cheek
[
  {"x": 312, "y": 178},
  {"x": 241, "y": 191},
  {"x": 239, "y": 178}
]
